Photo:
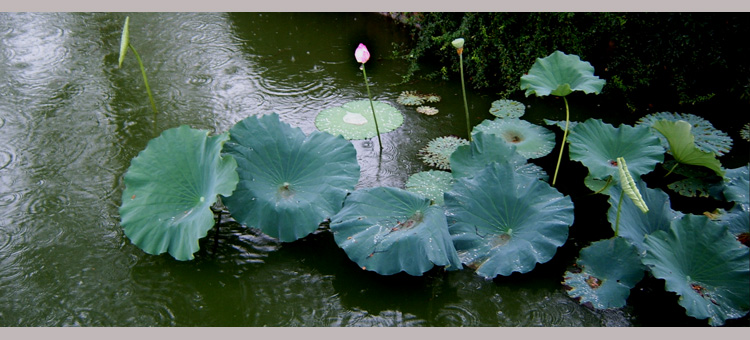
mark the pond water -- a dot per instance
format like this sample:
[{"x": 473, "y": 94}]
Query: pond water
[{"x": 71, "y": 121}]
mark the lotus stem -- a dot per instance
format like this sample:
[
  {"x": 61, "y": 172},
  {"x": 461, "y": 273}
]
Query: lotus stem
[
  {"x": 565, "y": 137},
  {"x": 145, "y": 81},
  {"x": 606, "y": 185},
  {"x": 377, "y": 130},
  {"x": 617, "y": 219},
  {"x": 463, "y": 91},
  {"x": 672, "y": 169}
]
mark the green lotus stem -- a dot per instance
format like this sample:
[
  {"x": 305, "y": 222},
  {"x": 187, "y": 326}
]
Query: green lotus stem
[
  {"x": 606, "y": 185},
  {"x": 565, "y": 137},
  {"x": 377, "y": 130},
  {"x": 617, "y": 219},
  {"x": 145, "y": 80},
  {"x": 672, "y": 169},
  {"x": 463, "y": 90}
]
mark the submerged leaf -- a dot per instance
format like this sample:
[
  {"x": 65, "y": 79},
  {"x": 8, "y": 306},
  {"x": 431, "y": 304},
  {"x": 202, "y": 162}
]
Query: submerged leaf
[
  {"x": 682, "y": 145},
  {"x": 504, "y": 222},
  {"x": 609, "y": 269},
  {"x": 704, "y": 265},
  {"x": 598, "y": 145},
  {"x": 289, "y": 182},
  {"x": 389, "y": 230},
  {"x": 170, "y": 187},
  {"x": 560, "y": 74},
  {"x": 430, "y": 184},
  {"x": 531, "y": 141},
  {"x": 354, "y": 119}
]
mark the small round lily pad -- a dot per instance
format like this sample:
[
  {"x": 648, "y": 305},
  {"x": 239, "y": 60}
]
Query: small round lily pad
[
  {"x": 354, "y": 120},
  {"x": 506, "y": 108},
  {"x": 438, "y": 151}
]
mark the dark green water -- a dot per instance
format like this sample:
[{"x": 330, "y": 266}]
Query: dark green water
[{"x": 71, "y": 121}]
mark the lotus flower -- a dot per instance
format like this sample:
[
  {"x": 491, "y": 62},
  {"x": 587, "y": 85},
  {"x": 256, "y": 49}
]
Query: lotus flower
[{"x": 362, "y": 54}]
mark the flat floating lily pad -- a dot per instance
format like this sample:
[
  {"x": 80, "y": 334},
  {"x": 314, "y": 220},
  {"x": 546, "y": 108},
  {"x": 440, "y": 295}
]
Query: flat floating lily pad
[
  {"x": 354, "y": 120},
  {"x": 430, "y": 184},
  {"x": 609, "y": 269},
  {"x": 389, "y": 230},
  {"x": 289, "y": 182},
  {"x": 505, "y": 108},
  {"x": 704, "y": 265},
  {"x": 560, "y": 74},
  {"x": 438, "y": 151},
  {"x": 531, "y": 141},
  {"x": 427, "y": 110},
  {"x": 170, "y": 187},
  {"x": 598, "y": 145},
  {"x": 504, "y": 222}
]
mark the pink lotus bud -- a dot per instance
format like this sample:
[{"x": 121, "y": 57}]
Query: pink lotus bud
[{"x": 362, "y": 54}]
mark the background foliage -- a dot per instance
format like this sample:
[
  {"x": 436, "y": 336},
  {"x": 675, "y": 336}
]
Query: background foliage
[{"x": 682, "y": 58}]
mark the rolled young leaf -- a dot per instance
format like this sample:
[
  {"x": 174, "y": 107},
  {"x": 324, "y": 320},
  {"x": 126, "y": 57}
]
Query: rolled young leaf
[
  {"x": 628, "y": 185},
  {"x": 124, "y": 41}
]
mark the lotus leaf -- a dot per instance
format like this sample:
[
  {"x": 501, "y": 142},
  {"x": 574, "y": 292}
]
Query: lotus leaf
[
  {"x": 505, "y": 108},
  {"x": 561, "y": 124},
  {"x": 598, "y": 145},
  {"x": 289, "y": 182},
  {"x": 560, "y": 74},
  {"x": 427, "y": 110},
  {"x": 485, "y": 148},
  {"x": 430, "y": 184},
  {"x": 354, "y": 119},
  {"x": 707, "y": 137},
  {"x": 504, "y": 222},
  {"x": 438, "y": 151},
  {"x": 634, "y": 225},
  {"x": 410, "y": 98},
  {"x": 704, "y": 265},
  {"x": 737, "y": 185},
  {"x": 598, "y": 186},
  {"x": 736, "y": 219},
  {"x": 609, "y": 269},
  {"x": 690, "y": 187},
  {"x": 531, "y": 141},
  {"x": 389, "y": 230},
  {"x": 682, "y": 145},
  {"x": 170, "y": 187}
]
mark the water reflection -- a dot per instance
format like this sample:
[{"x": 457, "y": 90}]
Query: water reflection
[{"x": 71, "y": 121}]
